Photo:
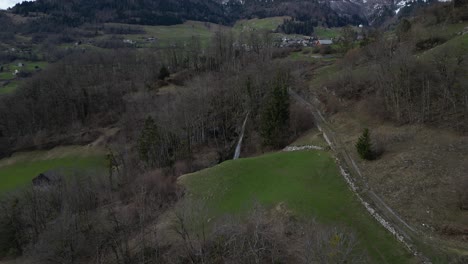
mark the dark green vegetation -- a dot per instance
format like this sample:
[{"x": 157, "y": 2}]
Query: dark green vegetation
[
  {"x": 308, "y": 183},
  {"x": 275, "y": 115},
  {"x": 152, "y": 145},
  {"x": 298, "y": 27},
  {"x": 165, "y": 12},
  {"x": 163, "y": 73},
  {"x": 364, "y": 146}
]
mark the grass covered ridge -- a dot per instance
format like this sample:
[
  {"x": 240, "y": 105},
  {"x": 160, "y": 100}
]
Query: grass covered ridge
[{"x": 307, "y": 182}]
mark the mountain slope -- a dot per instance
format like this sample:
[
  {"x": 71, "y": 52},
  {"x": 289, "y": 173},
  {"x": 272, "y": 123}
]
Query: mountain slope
[
  {"x": 168, "y": 12},
  {"x": 152, "y": 12}
]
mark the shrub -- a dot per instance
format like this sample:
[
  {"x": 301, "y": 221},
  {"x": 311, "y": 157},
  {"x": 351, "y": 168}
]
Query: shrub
[
  {"x": 163, "y": 73},
  {"x": 364, "y": 146}
]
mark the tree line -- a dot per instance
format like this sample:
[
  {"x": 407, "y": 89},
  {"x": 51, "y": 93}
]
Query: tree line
[
  {"x": 292, "y": 26},
  {"x": 170, "y": 12}
]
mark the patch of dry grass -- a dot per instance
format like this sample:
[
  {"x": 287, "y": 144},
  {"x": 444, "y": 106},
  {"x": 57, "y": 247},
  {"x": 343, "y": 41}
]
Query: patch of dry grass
[{"x": 417, "y": 173}]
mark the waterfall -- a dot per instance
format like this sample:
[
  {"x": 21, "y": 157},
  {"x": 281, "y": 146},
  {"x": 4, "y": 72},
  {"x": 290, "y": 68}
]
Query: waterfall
[{"x": 239, "y": 143}]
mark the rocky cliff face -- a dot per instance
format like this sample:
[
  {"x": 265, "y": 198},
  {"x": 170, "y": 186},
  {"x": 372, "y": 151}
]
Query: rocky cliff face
[
  {"x": 371, "y": 11},
  {"x": 376, "y": 11}
]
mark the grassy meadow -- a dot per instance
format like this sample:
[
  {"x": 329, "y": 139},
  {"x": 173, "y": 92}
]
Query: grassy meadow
[
  {"x": 327, "y": 33},
  {"x": 307, "y": 182},
  {"x": 9, "y": 88},
  {"x": 269, "y": 24},
  {"x": 176, "y": 34},
  {"x": 9, "y": 69},
  {"x": 19, "y": 169}
]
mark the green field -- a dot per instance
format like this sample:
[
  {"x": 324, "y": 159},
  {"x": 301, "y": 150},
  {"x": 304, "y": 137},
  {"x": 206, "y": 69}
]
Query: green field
[
  {"x": 455, "y": 46},
  {"x": 9, "y": 69},
  {"x": 21, "y": 168},
  {"x": 269, "y": 23},
  {"x": 9, "y": 88},
  {"x": 327, "y": 33},
  {"x": 29, "y": 66},
  {"x": 176, "y": 34},
  {"x": 308, "y": 182}
]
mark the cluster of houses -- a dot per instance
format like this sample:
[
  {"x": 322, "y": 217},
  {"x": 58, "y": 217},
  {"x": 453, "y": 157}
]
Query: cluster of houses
[
  {"x": 146, "y": 39},
  {"x": 287, "y": 42},
  {"x": 463, "y": 32}
]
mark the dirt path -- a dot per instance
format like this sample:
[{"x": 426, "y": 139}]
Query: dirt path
[{"x": 387, "y": 217}]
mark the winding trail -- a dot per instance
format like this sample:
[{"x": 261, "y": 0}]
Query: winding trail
[{"x": 375, "y": 205}]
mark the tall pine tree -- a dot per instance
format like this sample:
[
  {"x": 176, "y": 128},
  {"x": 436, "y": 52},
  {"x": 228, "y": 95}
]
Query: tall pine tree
[
  {"x": 364, "y": 146},
  {"x": 275, "y": 115},
  {"x": 148, "y": 142}
]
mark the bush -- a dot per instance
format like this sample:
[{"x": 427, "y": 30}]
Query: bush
[
  {"x": 364, "y": 146},
  {"x": 163, "y": 73}
]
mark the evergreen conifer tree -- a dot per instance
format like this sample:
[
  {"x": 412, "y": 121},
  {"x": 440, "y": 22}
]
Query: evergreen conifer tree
[
  {"x": 275, "y": 116},
  {"x": 163, "y": 73},
  {"x": 364, "y": 146},
  {"x": 148, "y": 141}
]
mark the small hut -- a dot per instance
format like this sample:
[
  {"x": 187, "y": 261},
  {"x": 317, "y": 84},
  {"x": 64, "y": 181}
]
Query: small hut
[{"x": 46, "y": 179}]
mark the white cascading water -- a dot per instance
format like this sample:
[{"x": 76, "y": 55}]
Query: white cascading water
[{"x": 239, "y": 143}]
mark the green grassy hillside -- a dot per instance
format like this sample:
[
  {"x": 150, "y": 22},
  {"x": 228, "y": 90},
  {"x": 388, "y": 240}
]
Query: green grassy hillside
[
  {"x": 7, "y": 73},
  {"x": 269, "y": 23},
  {"x": 21, "y": 168},
  {"x": 166, "y": 36},
  {"x": 307, "y": 182}
]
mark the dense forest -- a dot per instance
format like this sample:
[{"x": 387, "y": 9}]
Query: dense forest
[
  {"x": 170, "y": 12},
  {"x": 298, "y": 27}
]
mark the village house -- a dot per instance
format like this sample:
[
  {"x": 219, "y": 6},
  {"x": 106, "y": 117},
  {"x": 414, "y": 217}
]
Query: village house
[
  {"x": 322, "y": 42},
  {"x": 129, "y": 41}
]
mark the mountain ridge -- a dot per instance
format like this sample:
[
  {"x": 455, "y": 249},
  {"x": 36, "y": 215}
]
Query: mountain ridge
[{"x": 334, "y": 13}]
